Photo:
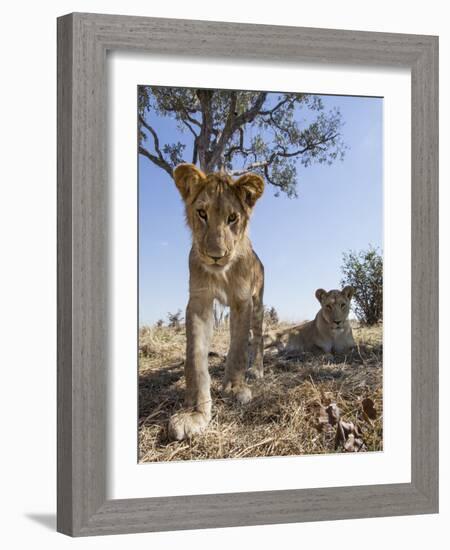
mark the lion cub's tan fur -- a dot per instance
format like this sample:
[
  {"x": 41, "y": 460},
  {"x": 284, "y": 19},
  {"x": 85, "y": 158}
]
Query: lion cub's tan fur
[
  {"x": 222, "y": 266},
  {"x": 330, "y": 331}
]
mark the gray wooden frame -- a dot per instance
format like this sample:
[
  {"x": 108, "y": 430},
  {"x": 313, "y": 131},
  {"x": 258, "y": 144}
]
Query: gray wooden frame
[{"x": 83, "y": 41}]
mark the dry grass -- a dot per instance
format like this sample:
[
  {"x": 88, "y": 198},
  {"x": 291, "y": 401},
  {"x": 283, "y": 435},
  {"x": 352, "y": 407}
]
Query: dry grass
[{"x": 282, "y": 417}]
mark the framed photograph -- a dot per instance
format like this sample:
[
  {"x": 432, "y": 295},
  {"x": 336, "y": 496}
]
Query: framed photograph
[{"x": 247, "y": 274}]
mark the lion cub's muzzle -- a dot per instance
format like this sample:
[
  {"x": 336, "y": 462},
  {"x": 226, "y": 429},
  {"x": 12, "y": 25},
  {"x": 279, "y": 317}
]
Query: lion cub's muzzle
[
  {"x": 215, "y": 260},
  {"x": 337, "y": 326}
]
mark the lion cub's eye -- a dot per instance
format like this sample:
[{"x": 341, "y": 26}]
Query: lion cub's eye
[
  {"x": 202, "y": 214},
  {"x": 329, "y": 307},
  {"x": 232, "y": 218},
  {"x": 342, "y": 305}
]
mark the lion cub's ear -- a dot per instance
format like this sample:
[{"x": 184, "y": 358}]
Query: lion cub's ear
[
  {"x": 348, "y": 292},
  {"x": 187, "y": 178},
  {"x": 320, "y": 294},
  {"x": 250, "y": 187}
]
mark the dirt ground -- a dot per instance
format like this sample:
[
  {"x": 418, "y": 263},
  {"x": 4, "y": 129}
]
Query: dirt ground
[{"x": 304, "y": 405}]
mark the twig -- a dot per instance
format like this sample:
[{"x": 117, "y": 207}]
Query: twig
[
  {"x": 248, "y": 449},
  {"x": 154, "y": 413}
]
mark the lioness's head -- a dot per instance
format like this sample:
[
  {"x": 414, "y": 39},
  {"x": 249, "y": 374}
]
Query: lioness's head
[
  {"x": 218, "y": 209},
  {"x": 335, "y": 305}
]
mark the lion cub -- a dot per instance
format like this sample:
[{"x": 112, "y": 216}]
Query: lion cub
[
  {"x": 222, "y": 266},
  {"x": 330, "y": 331}
]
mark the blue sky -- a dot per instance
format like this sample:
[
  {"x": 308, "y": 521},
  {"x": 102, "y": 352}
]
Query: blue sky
[{"x": 299, "y": 240}]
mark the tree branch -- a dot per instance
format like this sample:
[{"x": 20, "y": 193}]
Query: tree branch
[
  {"x": 176, "y": 106},
  {"x": 186, "y": 123},
  {"x": 156, "y": 160},
  {"x": 309, "y": 147},
  {"x": 277, "y": 125},
  {"x": 195, "y": 152},
  {"x": 233, "y": 123},
  {"x": 269, "y": 179},
  {"x": 247, "y": 169},
  {"x": 204, "y": 139},
  {"x": 266, "y": 163},
  {"x": 235, "y": 148},
  {"x": 227, "y": 132},
  {"x": 280, "y": 104},
  {"x": 250, "y": 115},
  {"x": 154, "y": 135}
]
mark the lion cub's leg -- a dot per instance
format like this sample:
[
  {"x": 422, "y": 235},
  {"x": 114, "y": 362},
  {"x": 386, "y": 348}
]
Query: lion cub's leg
[
  {"x": 257, "y": 346},
  {"x": 199, "y": 323},
  {"x": 237, "y": 358}
]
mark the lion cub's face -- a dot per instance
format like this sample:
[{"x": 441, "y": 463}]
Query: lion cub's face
[
  {"x": 217, "y": 210},
  {"x": 335, "y": 305}
]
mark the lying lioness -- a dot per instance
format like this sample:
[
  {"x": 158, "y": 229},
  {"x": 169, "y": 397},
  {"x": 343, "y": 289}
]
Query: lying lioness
[
  {"x": 222, "y": 266},
  {"x": 329, "y": 332}
]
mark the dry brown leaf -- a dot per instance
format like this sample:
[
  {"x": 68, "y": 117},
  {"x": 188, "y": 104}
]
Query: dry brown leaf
[
  {"x": 326, "y": 417},
  {"x": 350, "y": 437},
  {"x": 322, "y": 419},
  {"x": 334, "y": 414},
  {"x": 369, "y": 408},
  {"x": 354, "y": 444}
]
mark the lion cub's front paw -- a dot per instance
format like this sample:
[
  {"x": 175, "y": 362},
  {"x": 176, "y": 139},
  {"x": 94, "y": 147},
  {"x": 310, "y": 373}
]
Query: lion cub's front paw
[
  {"x": 256, "y": 371},
  {"x": 187, "y": 424},
  {"x": 240, "y": 391}
]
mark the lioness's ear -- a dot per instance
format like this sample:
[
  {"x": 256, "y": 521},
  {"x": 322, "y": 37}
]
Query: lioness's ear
[
  {"x": 320, "y": 294},
  {"x": 250, "y": 187},
  {"x": 187, "y": 178},
  {"x": 348, "y": 291}
]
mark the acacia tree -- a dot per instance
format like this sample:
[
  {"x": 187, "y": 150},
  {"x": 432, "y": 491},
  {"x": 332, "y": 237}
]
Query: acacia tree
[
  {"x": 236, "y": 131},
  {"x": 175, "y": 319}
]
